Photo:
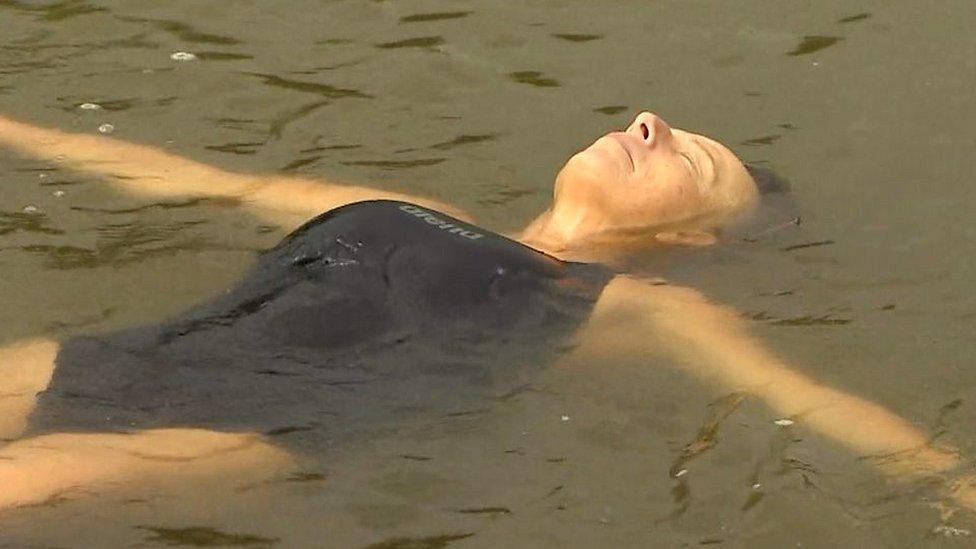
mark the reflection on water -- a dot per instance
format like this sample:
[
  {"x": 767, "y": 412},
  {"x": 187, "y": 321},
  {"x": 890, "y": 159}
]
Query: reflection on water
[
  {"x": 395, "y": 164},
  {"x": 534, "y": 78},
  {"x": 202, "y": 536},
  {"x": 183, "y": 31},
  {"x": 611, "y": 109},
  {"x": 430, "y": 542},
  {"x": 854, "y": 18},
  {"x": 578, "y": 37},
  {"x": 438, "y": 16},
  {"x": 812, "y": 44},
  {"x": 28, "y": 221},
  {"x": 325, "y": 90},
  {"x": 419, "y": 42},
  {"x": 764, "y": 140},
  {"x": 462, "y": 140},
  {"x": 868, "y": 112}
]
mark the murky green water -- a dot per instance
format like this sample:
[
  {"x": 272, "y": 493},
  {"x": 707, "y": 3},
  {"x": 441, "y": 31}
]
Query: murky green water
[{"x": 866, "y": 106}]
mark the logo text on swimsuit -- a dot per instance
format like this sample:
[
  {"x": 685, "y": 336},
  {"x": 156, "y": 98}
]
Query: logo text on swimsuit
[{"x": 442, "y": 224}]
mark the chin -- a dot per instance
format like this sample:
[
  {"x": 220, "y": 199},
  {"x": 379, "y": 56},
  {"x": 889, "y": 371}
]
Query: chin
[{"x": 592, "y": 166}]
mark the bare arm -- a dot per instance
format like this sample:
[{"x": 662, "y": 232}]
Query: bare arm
[
  {"x": 712, "y": 342},
  {"x": 26, "y": 368},
  {"x": 32, "y": 469},
  {"x": 37, "y": 468},
  {"x": 148, "y": 171}
]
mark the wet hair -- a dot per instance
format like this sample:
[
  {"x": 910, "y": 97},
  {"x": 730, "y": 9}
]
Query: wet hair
[
  {"x": 768, "y": 181},
  {"x": 777, "y": 209}
]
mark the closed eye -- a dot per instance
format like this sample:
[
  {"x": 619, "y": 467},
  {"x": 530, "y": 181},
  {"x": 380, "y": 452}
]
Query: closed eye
[{"x": 689, "y": 160}]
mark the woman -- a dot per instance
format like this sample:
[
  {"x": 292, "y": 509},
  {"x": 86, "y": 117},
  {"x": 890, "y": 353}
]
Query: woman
[{"x": 400, "y": 297}]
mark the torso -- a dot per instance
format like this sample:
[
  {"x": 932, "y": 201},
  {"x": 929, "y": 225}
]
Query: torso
[{"x": 365, "y": 310}]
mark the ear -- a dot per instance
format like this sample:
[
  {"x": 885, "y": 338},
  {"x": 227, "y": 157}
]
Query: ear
[{"x": 692, "y": 238}]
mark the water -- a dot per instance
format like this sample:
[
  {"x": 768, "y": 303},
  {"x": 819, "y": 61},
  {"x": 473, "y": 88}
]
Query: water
[{"x": 866, "y": 107}]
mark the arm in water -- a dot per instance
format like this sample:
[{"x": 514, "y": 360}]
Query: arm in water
[
  {"x": 709, "y": 340},
  {"x": 33, "y": 470},
  {"x": 144, "y": 170},
  {"x": 636, "y": 318}
]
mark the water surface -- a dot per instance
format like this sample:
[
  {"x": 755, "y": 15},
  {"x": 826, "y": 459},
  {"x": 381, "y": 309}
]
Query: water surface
[{"x": 867, "y": 107}]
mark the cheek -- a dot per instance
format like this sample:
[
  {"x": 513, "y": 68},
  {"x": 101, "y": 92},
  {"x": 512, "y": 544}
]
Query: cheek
[
  {"x": 664, "y": 201},
  {"x": 587, "y": 176},
  {"x": 593, "y": 165}
]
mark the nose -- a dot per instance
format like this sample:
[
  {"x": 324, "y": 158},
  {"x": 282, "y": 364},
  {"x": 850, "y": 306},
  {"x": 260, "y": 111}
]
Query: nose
[{"x": 651, "y": 129}]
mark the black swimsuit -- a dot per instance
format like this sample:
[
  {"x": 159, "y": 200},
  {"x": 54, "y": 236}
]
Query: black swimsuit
[{"x": 366, "y": 311}]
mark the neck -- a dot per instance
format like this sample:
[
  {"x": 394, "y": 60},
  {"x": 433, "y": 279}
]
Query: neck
[
  {"x": 572, "y": 242},
  {"x": 546, "y": 236},
  {"x": 568, "y": 242}
]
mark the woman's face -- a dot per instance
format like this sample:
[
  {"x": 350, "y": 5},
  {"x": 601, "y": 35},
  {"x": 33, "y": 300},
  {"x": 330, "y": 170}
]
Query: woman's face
[{"x": 651, "y": 177}]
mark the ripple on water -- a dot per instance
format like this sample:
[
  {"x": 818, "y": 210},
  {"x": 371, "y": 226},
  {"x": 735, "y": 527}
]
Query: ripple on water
[
  {"x": 300, "y": 163},
  {"x": 395, "y": 164},
  {"x": 812, "y": 44},
  {"x": 278, "y": 124},
  {"x": 577, "y": 37},
  {"x": 202, "y": 536},
  {"x": 121, "y": 243},
  {"x": 222, "y": 56},
  {"x": 611, "y": 109},
  {"x": 213, "y": 201},
  {"x": 533, "y": 78},
  {"x": 30, "y": 220},
  {"x": 241, "y": 148},
  {"x": 435, "y": 16},
  {"x": 418, "y": 42},
  {"x": 334, "y": 41},
  {"x": 462, "y": 140},
  {"x": 485, "y": 511},
  {"x": 855, "y": 18},
  {"x": 318, "y": 88},
  {"x": 764, "y": 140},
  {"x": 184, "y": 32},
  {"x": 430, "y": 542},
  {"x": 331, "y": 148},
  {"x": 56, "y": 11}
]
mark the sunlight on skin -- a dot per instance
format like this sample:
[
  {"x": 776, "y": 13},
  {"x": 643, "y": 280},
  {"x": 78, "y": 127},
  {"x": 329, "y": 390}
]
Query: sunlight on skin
[
  {"x": 710, "y": 187},
  {"x": 647, "y": 184},
  {"x": 713, "y": 344},
  {"x": 147, "y": 171},
  {"x": 35, "y": 469},
  {"x": 26, "y": 367}
]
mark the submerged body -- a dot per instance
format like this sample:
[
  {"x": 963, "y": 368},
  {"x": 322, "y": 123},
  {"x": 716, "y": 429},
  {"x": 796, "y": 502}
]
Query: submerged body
[
  {"x": 366, "y": 311},
  {"x": 384, "y": 307}
]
